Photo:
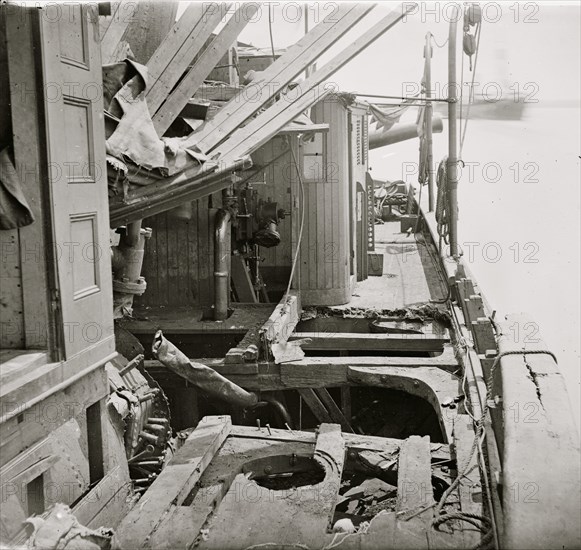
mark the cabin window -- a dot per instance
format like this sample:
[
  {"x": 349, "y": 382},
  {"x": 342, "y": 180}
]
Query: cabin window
[{"x": 314, "y": 158}]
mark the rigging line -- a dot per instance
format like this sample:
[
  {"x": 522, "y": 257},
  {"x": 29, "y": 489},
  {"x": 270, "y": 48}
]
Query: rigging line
[
  {"x": 302, "y": 188},
  {"x": 270, "y": 31},
  {"x": 471, "y": 92},
  {"x": 461, "y": 99},
  {"x": 436, "y": 43}
]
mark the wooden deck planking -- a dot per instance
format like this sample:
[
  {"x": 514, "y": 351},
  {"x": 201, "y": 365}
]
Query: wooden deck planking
[
  {"x": 175, "y": 482},
  {"x": 410, "y": 277}
]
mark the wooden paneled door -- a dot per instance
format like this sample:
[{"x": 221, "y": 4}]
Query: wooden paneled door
[{"x": 73, "y": 104}]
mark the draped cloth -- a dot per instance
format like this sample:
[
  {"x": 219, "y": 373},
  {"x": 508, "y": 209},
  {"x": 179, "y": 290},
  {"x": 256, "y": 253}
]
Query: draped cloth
[
  {"x": 14, "y": 209},
  {"x": 134, "y": 138},
  {"x": 386, "y": 116}
]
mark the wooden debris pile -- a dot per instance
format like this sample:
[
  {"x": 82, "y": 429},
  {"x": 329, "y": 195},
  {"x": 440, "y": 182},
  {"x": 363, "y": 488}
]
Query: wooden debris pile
[{"x": 250, "y": 115}]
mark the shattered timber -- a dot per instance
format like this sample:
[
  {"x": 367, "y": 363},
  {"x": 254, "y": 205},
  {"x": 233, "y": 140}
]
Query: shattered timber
[{"x": 231, "y": 335}]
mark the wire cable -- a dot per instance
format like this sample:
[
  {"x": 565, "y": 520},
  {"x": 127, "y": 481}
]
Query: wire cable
[
  {"x": 270, "y": 31},
  {"x": 302, "y": 207}
]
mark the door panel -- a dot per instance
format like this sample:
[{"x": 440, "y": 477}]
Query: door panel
[{"x": 70, "y": 53}]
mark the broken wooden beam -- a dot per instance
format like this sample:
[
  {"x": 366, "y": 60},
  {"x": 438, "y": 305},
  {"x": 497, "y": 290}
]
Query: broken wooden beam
[
  {"x": 174, "y": 483},
  {"x": 414, "y": 480},
  {"x": 199, "y": 71},
  {"x": 179, "y": 48},
  {"x": 272, "y": 80}
]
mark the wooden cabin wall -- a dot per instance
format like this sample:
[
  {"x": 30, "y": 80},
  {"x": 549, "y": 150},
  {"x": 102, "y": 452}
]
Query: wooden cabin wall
[
  {"x": 325, "y": 248},
  {"x": 24, "y": 310},
  {"x": 11, "y": 303},
  {"x": 178, "y": 264}
]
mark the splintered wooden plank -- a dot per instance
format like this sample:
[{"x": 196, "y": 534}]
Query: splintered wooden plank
[
  {"x": 414, "y": 478},
  {"x": 334, "y": 411},
  {"x": 315, "y": 404},
  {"x": 249, "y": 100},
  {"x": 173, "y": 56},
  {"x": 257, "y": 132},
  {"x": 203, "y": 66},
  {"x": 175, "y": 482},
  {"x": 283, "y": 320}
]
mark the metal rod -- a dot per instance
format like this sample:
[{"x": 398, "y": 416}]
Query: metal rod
[
  {"x": 221, "y": 260},
  {"x": 428, "y": 118},
  {"x": 453, "y": 134},
  {"x": 132, "y": 364},
  {"x": 444, "y": 100}
]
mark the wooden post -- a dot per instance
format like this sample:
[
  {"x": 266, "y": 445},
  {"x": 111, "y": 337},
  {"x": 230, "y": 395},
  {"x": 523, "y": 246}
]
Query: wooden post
[
  {"x": 429, "y": 114},
  {"x": 453, "y": 133}
]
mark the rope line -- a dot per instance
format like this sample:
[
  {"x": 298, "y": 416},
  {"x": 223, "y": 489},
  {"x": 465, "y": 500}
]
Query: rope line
[{"x": 442, "y": 204}]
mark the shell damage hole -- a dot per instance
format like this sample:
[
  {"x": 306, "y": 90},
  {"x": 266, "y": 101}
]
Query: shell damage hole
[{"x": 283, "y": 472}]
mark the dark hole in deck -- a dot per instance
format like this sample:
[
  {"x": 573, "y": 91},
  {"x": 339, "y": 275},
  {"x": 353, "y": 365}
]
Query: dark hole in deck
[{"x": 283, "y": 472}]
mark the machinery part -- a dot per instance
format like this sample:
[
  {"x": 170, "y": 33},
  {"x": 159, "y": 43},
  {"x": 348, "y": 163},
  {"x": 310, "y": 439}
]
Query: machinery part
[
  {"x": 280, "y": 409},
  {"x": 221, "y": 258},
  {"x": 201, "y": 376},
  {"x": 127, "y": 260},
  {"x": 267, "y": 236}
]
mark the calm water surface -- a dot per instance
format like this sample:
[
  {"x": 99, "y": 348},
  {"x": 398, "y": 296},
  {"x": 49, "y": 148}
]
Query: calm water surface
[{"x": 520, "y": 220}]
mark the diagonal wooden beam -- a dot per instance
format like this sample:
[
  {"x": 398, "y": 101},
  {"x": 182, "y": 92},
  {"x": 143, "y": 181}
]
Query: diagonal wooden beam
[
  {"x": 265, "y": 125},
  {"x": 173, "y": 56},
  {"x": 194, "y": 78},
  {"x": 334, "y": 410},
  {"x": 314, "y": 403},
  {"x": 273, "y": 79}
]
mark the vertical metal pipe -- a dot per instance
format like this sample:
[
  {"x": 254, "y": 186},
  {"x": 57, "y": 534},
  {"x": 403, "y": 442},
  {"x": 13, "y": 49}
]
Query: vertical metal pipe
[
  {"x": 453, "y": 133},
  {"x": 429, "y": 114},
  {"x": 221, "y": 257}
]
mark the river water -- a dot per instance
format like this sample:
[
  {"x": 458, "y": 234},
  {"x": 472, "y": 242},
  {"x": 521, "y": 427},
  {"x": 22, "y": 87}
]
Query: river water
[{"x": 519, "y": 224}]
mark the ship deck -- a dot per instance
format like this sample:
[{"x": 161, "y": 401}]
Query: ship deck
[
  {"x": 410, "y": 273},
  {"x": 242, "y": 487}
]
